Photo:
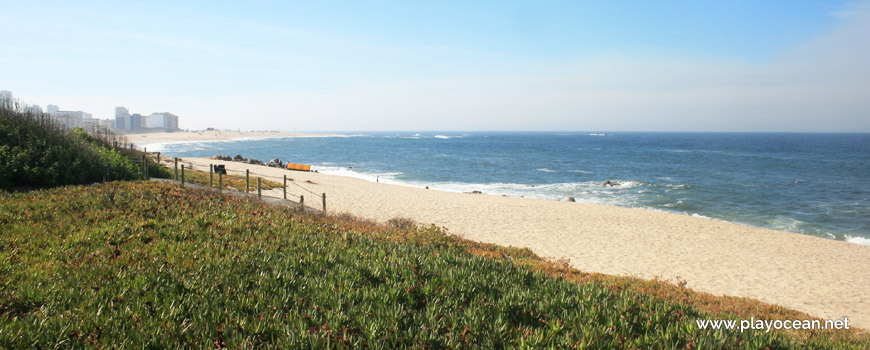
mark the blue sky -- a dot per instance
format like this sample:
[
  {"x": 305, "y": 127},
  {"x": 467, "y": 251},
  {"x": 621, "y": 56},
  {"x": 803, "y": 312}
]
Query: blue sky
[{"x": 449, "y": 65}]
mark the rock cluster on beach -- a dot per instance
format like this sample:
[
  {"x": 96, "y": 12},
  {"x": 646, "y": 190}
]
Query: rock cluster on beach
[{"x": 275, "y": 162}]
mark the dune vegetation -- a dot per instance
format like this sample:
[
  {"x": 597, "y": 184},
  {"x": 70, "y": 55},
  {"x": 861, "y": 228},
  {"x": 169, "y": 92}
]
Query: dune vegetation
[
  {"x": 37, "y": 152},
  {"x": 144, "y": 264}
]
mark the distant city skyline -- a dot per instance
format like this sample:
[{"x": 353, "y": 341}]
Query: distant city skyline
[
  {"x": 417, "y": 66},
  {"x": 123, "y": 121}
]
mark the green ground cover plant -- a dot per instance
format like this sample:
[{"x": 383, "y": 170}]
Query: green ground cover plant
[{"x": 151, "y": 265}]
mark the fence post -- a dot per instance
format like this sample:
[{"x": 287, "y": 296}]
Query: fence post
[
  {"x": 285, "y": 187},
  {"x": 302, "y": 201},
  {"x": 247, "y": 180},
  {"x": 144, "y": 167},
  {"x": 176, "y": 168},
  {"x": 158, "y": 157},
  {"x": 259, "y": 193},
  {"x": 324, "y": 203},
  {"x": 210, "y": 176},
  {"x": 221, "y": 182},
  {"x": 182, "y": 175}
]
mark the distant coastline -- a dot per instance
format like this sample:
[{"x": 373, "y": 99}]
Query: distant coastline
[{"x": 145, "y": 139}]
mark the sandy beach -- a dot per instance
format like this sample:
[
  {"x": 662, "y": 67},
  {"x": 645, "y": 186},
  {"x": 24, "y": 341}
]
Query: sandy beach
[
  {"x": 825, "y": 278},
  {"x": 211, "y": 135}
]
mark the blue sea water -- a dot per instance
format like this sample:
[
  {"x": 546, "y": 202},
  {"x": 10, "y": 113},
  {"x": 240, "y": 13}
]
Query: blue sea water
[{"x": 817, "y": 184}]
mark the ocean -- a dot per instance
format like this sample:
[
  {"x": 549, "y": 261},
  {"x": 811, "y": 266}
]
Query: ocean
[{"x": 815, "y": 184}]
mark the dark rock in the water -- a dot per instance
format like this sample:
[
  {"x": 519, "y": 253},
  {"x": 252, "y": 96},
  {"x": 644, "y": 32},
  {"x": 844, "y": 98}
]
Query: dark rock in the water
[
  {"x": 474, "y": 192},
  {"x": 254, "y": 161},
  {"x": 222, "y": 157},
  {"x": 239, "y": 158},
  {"x": 276, "y": 163},
  {"x": 571, "y": 199}
]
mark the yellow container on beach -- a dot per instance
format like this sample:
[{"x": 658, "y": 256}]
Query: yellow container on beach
[{"x": 300, "y": 167}]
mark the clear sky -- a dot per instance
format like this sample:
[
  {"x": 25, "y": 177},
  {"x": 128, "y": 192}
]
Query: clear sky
[{"x": 449, "y": 65}]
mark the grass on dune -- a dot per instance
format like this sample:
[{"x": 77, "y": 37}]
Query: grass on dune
[
  {"x": 231, "y": 182},
  {"x": 148, "y": 265}
]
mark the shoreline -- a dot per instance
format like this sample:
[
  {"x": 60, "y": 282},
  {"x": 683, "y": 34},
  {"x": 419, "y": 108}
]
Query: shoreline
[
  {"x": 807, "y": 273},
  {"x": 437, "y": 187}
]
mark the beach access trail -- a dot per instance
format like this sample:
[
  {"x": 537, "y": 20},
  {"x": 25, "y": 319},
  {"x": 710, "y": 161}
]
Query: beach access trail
[{"x": 825, "y": 278}]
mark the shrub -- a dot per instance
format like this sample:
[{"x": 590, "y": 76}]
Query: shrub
[
  {"x": 36, "y": 152},
  {"x": 402, "y": 223}
]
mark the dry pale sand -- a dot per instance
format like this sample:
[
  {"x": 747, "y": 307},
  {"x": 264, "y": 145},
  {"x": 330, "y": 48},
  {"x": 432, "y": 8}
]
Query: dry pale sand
[
  {"x": 210, "y": 135},
  {"x": 825, "y": 278}
]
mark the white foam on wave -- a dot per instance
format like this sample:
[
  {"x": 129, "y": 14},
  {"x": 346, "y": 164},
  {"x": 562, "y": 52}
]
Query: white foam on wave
[
  {"x": 349, "y": 172},
  {"x": 195, "y": 145},
  {"x": 546, "y": 170},
  {"x": 785, "y": 223},
  {"x": 315, "y": 136},
  {"x": 587, "y": 192},
  {"x": 199, "y": 145},
  {"x": 627, "y": 183},
  {"x": 443, "y": 137},
  {"x": 858, "y": 240},
  {"x": 581, "y": 171},
  {"x": 673, "y": 205}
]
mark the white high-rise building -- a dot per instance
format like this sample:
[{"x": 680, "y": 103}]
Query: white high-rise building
[
  {"x": 155, "y": 120},
  {"x": 166, "y": 121},
  {"x": 69, "y": 119},
  {"x": 121, "y": 111},
  {"x": 122, "y": 119}
]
